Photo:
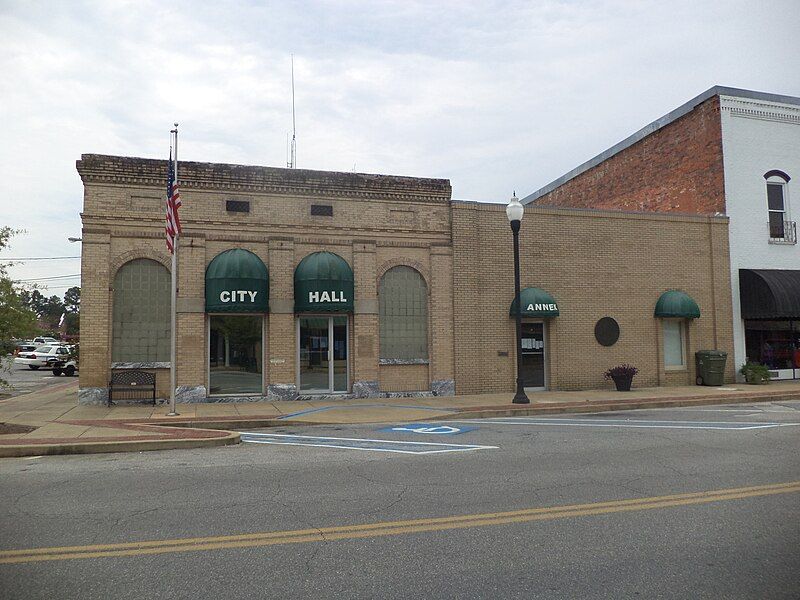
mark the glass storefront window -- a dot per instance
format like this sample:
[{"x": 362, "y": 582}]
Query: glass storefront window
[
  {"x": 340, "y": 354},
  {"x": 313, "y": 353},
  {"x": 775, "y": 344},
  {"x": 236, "y": 354}
]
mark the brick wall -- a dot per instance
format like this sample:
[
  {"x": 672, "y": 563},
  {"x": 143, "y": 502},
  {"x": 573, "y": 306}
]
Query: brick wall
[
  {"x": 678, "y": 168},
  {"x": 595, "y": 264},
  {"x": 378, "y": 221}
]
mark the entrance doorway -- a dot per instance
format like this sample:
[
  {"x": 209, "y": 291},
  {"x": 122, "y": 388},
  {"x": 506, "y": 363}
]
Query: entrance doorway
[
  {"x": 533, "y": 356},
  {"x": 322, "y": 354}
]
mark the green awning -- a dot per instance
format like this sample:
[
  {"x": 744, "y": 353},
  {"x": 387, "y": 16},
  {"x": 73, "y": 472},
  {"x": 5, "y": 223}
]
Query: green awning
[
  {"x": 535, "y": 303},
  {"x": 323, "y": 282},
  {"x": 237, "y": 281},
  {"x": 676, "y": 305}
]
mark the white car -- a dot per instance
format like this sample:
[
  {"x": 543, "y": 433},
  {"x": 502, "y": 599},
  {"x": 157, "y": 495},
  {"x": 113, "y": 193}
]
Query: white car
[
  {"x": 42, "y": 356},
  {"x": 67, "y": 367},
  {"x": 45, "y": 340}
]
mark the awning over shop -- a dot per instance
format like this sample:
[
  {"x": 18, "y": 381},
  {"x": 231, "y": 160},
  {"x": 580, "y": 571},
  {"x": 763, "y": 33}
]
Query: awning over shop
[
  {"x": 676, "y": 305},
  {"x": 237, "y": 281},
  {"x": 769, "y": 293},
  {"x": 323, "y": 282},
  {"x": 535, "y": 303}
]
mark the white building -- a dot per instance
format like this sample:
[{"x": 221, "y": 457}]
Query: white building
[{"x": 761, "y": 157}]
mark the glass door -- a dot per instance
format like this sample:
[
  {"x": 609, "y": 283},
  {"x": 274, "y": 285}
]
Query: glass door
[
  {"x": 322, "y": 354},
  {"x": 533, "y": 349}
]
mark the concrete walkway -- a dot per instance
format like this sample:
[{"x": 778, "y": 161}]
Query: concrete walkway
[{"x": 50, "y": 421}]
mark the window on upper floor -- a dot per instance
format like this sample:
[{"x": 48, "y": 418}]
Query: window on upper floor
[{"x": 782, "y": 230}]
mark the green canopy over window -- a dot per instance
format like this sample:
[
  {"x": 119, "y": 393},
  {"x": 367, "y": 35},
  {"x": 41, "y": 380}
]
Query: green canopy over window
[
  {"x": 535, "y": 303},
  {"x": 676, "y": 305},
  {"x": 323, "y": 282},
  {"x": 237, "y": 281}
]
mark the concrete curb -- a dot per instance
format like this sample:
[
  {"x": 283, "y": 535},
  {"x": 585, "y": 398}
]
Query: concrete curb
[
  {"x": 76, "y": 447},
  {"x": 611, "y": 406}
]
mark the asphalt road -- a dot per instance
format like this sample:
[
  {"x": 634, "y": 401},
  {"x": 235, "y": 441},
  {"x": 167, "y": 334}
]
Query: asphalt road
[
  {"x": 23, "y": 380},
  {"x": 372, "y": 522}
]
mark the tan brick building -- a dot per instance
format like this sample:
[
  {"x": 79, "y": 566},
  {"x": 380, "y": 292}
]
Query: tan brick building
[{"x": 295, "y": 283}]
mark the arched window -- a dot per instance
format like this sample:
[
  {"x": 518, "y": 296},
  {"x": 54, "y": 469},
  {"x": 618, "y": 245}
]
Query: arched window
[
  {"x": 141, "y": 322},
  {"x": 781, "y": 228},
  {"x": 403, "y": 309}
]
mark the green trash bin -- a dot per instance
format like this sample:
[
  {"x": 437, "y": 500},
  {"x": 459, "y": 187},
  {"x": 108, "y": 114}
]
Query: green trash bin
[{"x": 710, "y": 367}]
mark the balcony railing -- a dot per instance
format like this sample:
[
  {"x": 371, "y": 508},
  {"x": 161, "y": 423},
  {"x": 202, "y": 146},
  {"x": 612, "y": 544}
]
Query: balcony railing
[{"x": 784, "y": 232}]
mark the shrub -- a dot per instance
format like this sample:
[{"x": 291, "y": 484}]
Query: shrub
[{"x": 755, "y": 372}]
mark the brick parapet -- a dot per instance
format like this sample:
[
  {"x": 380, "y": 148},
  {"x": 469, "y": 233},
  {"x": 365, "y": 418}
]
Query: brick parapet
[
  {"x": 676, "y": 168},
  {"x": 127, "y": 171}
]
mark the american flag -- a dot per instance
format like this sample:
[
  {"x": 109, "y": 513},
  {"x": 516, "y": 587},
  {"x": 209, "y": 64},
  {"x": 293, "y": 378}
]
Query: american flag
[{"x": 173, "y": 227}]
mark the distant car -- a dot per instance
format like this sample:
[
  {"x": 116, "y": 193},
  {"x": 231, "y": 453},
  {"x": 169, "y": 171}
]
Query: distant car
[
  {"x": 42, "y": 356},
  {"x": 45, "y": 340},
  {"x": 25, "y": 347},
  {"x": 67, "y": 367}
]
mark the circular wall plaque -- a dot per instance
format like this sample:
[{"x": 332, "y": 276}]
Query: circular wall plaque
[{"x": 606, "y": 331}]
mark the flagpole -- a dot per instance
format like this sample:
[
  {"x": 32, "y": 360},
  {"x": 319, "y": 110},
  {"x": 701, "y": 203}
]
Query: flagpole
[{"x": 173, "y": 351}]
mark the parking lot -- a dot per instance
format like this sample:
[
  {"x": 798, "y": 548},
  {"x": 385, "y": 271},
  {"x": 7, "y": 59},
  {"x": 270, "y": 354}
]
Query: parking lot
[
  {"x": 740, "y": 421},
  {"x": 24, "y": 380}
]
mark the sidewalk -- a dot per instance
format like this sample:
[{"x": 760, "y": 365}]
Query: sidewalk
[{"x": 50, "y": 421}]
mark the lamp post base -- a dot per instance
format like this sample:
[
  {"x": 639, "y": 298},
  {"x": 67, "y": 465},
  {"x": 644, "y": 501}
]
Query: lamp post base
[{"x": 520, "y": 397}]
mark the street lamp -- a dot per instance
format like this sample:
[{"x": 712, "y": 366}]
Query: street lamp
[{"x": 515, "y": 212}]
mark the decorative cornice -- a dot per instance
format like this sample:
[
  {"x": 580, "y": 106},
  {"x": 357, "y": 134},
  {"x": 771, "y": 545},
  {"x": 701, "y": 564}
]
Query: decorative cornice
[
  {"x": 258, "y": 226},
  {"x": 97, "y": 168},
  {"x": 763, "y": 111}
]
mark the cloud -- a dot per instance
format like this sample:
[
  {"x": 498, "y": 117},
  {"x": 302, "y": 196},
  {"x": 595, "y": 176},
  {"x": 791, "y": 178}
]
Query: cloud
[{"x": 496, "y": 96}]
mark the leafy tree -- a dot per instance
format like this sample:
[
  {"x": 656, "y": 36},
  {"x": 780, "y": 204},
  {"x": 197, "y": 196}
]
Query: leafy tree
[
  {"x": 73, "y": 323},
  {"x": 72, "y": 299},
  {"x": 34, "y": 300},
  {"x": 52, "y": 310},
  {"x": 16, "y": 319},
  {"x": 49, "y": 310}
]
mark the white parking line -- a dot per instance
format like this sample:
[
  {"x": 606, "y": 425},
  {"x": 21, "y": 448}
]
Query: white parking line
[
  {"x": 371, "y": 445},
  {"x": 634, "y": 423}
]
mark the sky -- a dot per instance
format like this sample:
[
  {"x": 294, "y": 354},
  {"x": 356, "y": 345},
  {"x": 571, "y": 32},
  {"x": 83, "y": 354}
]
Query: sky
[{"x": 497, "y": 97}]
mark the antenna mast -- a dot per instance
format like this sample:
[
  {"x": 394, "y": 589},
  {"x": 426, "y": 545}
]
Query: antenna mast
[{"x": 292, "y": 163}]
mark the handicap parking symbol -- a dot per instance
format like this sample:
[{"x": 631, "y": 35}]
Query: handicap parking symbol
[{"x": 428, "y": 428}]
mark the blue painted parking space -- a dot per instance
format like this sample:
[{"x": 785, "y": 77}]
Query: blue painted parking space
[
  {"x": 428, "y": 429},
  {"x": 371, "y": 445}
]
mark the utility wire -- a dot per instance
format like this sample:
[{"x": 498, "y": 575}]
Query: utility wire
[
  {"x": 45, "y": 278},
  {"x": 37, "y": 258}
]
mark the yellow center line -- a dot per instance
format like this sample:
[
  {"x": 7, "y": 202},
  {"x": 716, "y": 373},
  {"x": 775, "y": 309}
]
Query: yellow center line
[{"x": 378, "y": 529}]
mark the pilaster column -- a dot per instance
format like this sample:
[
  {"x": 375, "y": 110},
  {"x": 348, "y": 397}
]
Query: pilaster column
[
  {"x": 282, "y": 344},
  {"x": 364, "y": 340},
  {"x": 95, "y": 355},
  {"x": 441, "y": 322},
  {"x": 191, "y": 351}
]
